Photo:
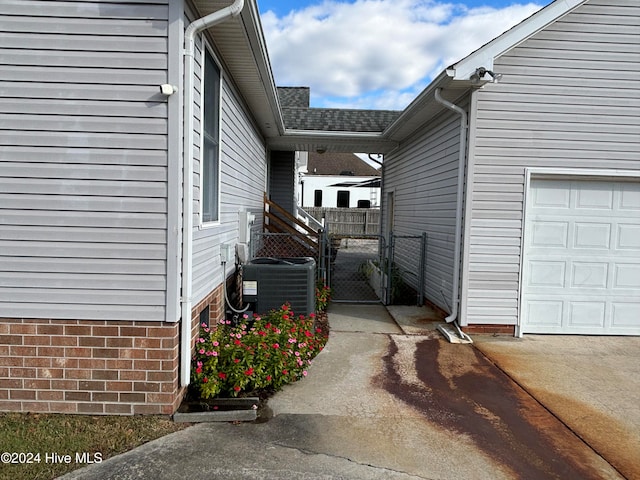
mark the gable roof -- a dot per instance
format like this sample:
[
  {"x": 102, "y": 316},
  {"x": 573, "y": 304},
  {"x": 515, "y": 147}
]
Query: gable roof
[
  {"x": 288, "y": 125},
  {"x": 333, "y": 163},
  {"x": 485, "y": 55},
  {"x": 457, "y": 78}
]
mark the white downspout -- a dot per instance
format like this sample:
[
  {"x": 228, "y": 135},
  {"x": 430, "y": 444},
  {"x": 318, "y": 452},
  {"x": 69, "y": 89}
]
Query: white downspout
[
  {"x": 464, "y": 126},
  {"x": 190, "y": 33}
]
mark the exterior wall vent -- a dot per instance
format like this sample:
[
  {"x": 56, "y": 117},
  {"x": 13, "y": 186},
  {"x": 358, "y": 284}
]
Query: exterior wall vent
[{"x": 204, "y": 316}]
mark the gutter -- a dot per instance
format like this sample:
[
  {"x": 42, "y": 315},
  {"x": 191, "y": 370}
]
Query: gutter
[
  {"x": 329, "y": 134},
  {"x": 464, "y": 127},
  {"x": 391, "y": 132},
  {"x": 190, "y": 33}
]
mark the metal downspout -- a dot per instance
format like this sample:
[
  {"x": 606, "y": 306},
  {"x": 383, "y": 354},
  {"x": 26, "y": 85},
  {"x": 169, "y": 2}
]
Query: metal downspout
[
  {"x": 190, "y": 33},
  {"x": 464, "y": 126}
]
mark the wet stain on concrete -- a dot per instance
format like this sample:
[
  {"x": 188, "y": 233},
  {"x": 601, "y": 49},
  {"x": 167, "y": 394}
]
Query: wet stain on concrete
[
  {"x": 605, "y": 435},
  {"x": 459, "y": 390},
  {"x": 616, "y": 442}
]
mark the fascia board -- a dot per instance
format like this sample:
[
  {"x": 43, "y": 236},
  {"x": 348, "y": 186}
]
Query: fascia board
[
  {"x": 416, "y": 106},
  {"x": 485, "y": 56},
  {"x": 255, "y": 34},
  {"x": 338, "y": 141}
]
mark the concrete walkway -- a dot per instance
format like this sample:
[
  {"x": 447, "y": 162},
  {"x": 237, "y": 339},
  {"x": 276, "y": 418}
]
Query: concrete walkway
[{"x": 378, "y": 403}]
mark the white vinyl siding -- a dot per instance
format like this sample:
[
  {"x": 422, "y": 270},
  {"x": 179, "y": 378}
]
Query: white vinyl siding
[
  {"x": 242, "y": 181},
  {"x": 569, "y": 98},
  {"x": 422, "y": 175},
  {"x": 83, "y": 160},
  {"x": 282, "y": 180}
]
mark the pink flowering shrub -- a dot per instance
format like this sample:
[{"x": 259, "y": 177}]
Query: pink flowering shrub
[{"x": 260, "y": 353}]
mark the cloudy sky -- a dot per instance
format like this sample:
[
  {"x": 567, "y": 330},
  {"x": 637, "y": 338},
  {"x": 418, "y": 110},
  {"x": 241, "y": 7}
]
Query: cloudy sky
[{"x": 378, "y": 53}]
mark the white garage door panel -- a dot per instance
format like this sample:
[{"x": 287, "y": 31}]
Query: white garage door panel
[
  {"x": 625, "y": 315},
  {"x": 581, "y": 269}
]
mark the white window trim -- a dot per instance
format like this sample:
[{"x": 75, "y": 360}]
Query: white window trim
[
  {"x": 557, "y": 173},
  {"x": 206, "y": 47}
]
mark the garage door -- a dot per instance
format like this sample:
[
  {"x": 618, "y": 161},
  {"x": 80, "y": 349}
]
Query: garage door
[{"x": 581, "y": 268}]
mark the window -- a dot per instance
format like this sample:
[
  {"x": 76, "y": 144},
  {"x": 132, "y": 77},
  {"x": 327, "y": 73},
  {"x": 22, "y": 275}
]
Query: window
[
  {"x": 210, "y": 161},
  {"x": 317, "y": 198},
  {"x": 343, "y": 198},
  {"x": 364, "y": 203}
]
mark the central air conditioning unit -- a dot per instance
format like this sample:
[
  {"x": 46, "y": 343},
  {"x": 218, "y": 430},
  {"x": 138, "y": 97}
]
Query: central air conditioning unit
[{"x": 268, "y": 283}]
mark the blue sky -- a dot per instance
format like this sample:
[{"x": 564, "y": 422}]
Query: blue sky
[
  {"x": 283, "y": 7},
  {"x": 378, "y": 53}
]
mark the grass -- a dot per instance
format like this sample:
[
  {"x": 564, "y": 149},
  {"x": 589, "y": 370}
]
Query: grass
[{"x": 71, "y": 434}]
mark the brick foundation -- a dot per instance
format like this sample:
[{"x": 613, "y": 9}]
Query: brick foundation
[
  {"x": 476, "y": 328},
  {"x": 491, "y": 329},
  {"x": 94, "y": 367}
]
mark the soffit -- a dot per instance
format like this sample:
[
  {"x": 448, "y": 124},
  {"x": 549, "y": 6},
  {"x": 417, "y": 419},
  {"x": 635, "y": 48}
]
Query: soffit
[
  {"x": 305, "y": 141},
  {"x": 241, "y": 43}
]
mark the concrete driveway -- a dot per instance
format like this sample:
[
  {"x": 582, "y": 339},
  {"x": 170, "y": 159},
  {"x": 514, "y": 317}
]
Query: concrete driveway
[
  {"x": 379, "y": 403},
  {"x": 592, "y": 384}
]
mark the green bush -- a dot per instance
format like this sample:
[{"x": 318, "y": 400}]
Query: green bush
[
  {"x": 323, "y": 297},
  {"x": 261, "y": 353}
]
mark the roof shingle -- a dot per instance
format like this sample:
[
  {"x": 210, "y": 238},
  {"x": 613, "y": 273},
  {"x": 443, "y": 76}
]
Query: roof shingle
[
  {"x": 332, "y": 163},
  {"x": 297, "y": 115}
]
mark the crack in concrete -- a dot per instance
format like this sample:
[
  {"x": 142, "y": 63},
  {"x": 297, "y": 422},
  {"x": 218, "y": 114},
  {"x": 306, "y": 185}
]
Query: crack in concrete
[
  {"x": 367, "y": 333},
  {"x": 331, "y": 455}
]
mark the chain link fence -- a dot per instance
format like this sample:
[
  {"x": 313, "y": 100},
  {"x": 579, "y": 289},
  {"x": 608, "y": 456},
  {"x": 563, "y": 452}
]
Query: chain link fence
[
  {"x": 359, "y": 269},
  {"x": 286, "y": 245},
  {"x": 407, "y": 269},
  {"x": 355, "y": 273}
]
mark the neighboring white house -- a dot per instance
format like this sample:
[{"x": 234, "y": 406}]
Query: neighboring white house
[{"x": 338, "y": 180}]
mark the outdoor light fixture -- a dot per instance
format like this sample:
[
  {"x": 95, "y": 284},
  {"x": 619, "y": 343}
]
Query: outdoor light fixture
[
  {"x": 167, "y": 89},
  {"x": 478, "y": 75}
]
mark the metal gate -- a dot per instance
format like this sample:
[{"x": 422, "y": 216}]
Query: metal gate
[
  {"x": 356, "y": 273},
  {"x": 367, "y": 269},
  {"x": 407, "y": 269}
]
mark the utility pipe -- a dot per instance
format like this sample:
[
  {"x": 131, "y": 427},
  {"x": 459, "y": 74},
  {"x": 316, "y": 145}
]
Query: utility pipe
[
  {"x": 464, "y": 126},
  {"x": 190, "y": 33}
]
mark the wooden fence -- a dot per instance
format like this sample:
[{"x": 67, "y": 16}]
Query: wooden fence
[{"x": 348, "y": 221}]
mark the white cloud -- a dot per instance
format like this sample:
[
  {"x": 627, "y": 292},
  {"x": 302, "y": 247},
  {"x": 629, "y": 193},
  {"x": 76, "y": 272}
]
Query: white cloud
[{"x": 378, "y": 53}]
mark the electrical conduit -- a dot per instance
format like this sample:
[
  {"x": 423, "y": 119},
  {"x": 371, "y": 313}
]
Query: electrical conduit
[{"x": 190, "y": 33}]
